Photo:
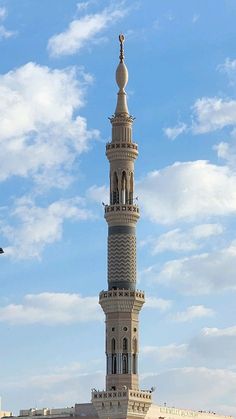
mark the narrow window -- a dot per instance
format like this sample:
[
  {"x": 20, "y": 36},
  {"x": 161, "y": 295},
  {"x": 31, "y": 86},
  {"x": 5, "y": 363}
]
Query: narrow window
[
  {"x": 131, "y": 189},
  {"x": 113, "y": 364},
  {"x": 134, "y": 364},
  {"x": 115, "y": 193},
  {"x": 125, "y": 344},
  {"x": 124, "y": 364},
  {"x": 124, "y": 188},
  {"x": 113, "y": 344}
]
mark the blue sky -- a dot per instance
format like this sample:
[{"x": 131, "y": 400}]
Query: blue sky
[{"x": 57, "y": 90}]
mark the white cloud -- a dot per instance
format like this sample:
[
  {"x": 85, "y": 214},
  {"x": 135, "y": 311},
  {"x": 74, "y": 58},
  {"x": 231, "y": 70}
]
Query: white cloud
[
  {"x": 191, "y": 239},
  {"x": 52, "y": 309},
  {"x": 214, "y": 113},
  {"x": 214, "y": 346},
  {"x": 224, "y": 151},
  {"x": 199, "y": 274},
  {"x": 205, "y": 380},
  {"x": 228, "y": 331},
  {"x": 57, "y": 386},
  {"x": 83, "y": 5},
  {"x": 198, "y": 388},
  {"x": 227, "y": 150},
  {"x": 193, "y": 312},
  {"x": 159, "y": 303},
  {"x": 188, "y": 191},
  {"x": 4, "y": 33},
  {"x": 37, "y": 226},
  {"x": 211, "y": 346},
  {"x": 174, "y": 132},
  {"x": 203, "y": 231},
  {"x": 3, "y": 13},
  {"x": 40, "y": 133},
  {"x": 98, "y": 194},
  {"x": 229, "y": 68},
  {"x": 164, "y": 353},
  {"x": 210, "y": 113},
  {"x": 83, "y": 31}
]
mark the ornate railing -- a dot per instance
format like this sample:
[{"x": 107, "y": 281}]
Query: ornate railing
[
  {"x": 121, "y": 293},
  {"x": 122, "y": 207},
  {"x": 132, "y": 146}
]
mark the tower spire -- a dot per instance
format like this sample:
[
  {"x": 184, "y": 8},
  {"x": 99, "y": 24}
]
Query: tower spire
[
  {"x": 122, "y": 76},
  {"x": 122, "y": 40},
  {"x": 122, "y": 302}
]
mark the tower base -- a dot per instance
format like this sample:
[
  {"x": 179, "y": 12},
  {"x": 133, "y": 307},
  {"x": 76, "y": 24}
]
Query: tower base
[{"x": 121, "y": 404}]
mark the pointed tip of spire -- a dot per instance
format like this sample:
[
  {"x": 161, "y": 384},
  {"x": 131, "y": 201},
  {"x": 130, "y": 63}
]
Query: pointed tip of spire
[
  {"x": 122, "y": 40},
  {"x": 121, "y": 79},
  {"x": 121, "y": 72}
]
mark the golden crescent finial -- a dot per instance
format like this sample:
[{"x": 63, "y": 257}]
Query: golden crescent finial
[{"x": 122, "y": 40}]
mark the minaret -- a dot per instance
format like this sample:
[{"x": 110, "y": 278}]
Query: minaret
[{"x": 122, "y": 302}]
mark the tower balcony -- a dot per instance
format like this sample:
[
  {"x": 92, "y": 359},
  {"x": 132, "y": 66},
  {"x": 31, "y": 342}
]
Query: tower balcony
[
  {"x": 121, "y": 151},
  {"x": 121, "y": 300},
  {"x": 121, "y": 214}
]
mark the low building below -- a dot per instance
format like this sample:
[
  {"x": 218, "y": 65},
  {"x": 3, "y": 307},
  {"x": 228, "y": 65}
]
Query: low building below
[{"x": 87, "y": 411}]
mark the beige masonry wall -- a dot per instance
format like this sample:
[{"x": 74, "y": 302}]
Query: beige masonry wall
[{"x": 164, "y": 412}]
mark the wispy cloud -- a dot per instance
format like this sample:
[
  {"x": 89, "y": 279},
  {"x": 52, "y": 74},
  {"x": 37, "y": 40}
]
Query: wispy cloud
[
  {"x": 196, "y": 388},
  {"x": 215, "y": 331},
  {"x": 209, "y": 114},
  {"x": 98, "y": 194},
  {"x": 227, "y": 150},
  {"x": 173, "y": 132},
  {"x": 51, "y": 309},
  {"x": 158, "y": 303},
  {"x": 83, "y": 5},
  {"x": 3, "y": 13},
  {"x": 178, "y": 240},
  {"x": 167, "y": 352},
  {"x": 85, "y": 30},
  {"x": 195, "y": 17},
  {"x": 56, "y": 385},
  {"x": 4, "y": 33},
  {"x": 198, "y": 274},
  {"x": 229, "y": 68},
  {"x": 193, "y": 312},
  {"x": 33, "y": 226},
  {"x": 210, "y": 344}
]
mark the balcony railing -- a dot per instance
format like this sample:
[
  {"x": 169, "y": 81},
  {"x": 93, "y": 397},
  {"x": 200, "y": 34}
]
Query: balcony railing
[{"x": 122, "y": 207}]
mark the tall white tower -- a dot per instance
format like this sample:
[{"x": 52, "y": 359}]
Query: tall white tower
[{"x": 122, "y": 302}]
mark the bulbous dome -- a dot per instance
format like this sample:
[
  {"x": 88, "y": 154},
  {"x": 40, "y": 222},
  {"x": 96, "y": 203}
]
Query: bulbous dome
[{"x": 122, "y": 75}]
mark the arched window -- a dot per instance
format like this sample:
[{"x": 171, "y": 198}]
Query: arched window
[
  {"x": 113, "y": 345},
  {"x": 113, "y": 364},
  {"x": 125, "y": 344},
  {"x": 124, "y": 364},
  {"x": 134, "y": 345},
  {"x": 131, "y": 189},
  {"x": 124, "y": 188},
  {"x": 134, "y": 364},
  {"x": 115, "y": 192},
  {"x": 111, "y": 187}
]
